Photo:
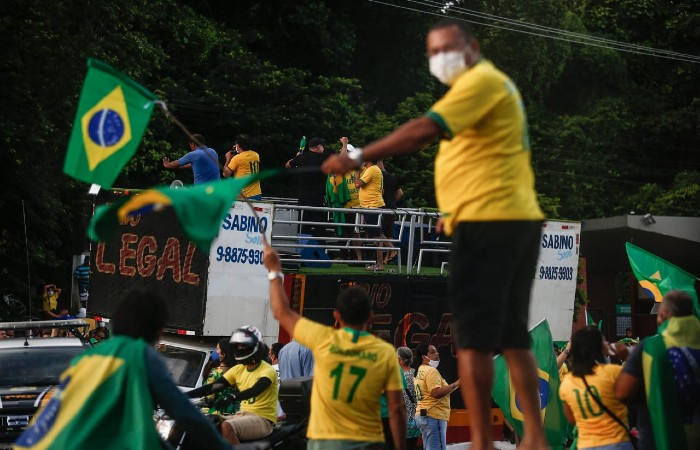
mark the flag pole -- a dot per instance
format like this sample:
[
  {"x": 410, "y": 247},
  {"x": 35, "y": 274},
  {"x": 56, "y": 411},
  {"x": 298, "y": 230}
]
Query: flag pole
[{"x": 26, "y": 247}]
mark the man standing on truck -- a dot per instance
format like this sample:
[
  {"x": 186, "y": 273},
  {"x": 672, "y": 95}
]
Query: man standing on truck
[
  {"x": 203, "y": 160},
  {"x": 242, "y": 161},
  {"x": 352, "y": 369},
  {"x": 484, "y": 186}
]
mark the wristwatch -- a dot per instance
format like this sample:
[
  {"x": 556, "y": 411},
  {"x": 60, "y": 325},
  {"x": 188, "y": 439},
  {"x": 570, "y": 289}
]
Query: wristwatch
[
  {"x": 356, "y": 156},
  {"x": 272, "y": 275}
]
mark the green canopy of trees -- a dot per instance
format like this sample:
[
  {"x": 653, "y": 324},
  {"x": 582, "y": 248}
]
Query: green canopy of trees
[{"x": 612, "y": 131}]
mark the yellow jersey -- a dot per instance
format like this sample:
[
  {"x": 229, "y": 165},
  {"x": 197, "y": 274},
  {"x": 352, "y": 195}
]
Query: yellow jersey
[
  {"x": 595, "y": 426},
  {"x": 427, "y": 379},
  {"x": 246, "y": 163},
  {"x": 371, "y": 192},
  {"x": 354, "y": 201},
  {"x": 50, "y": 302},
  {"x": 263, "y": 405},
  {"x": 351, "y": 370},
  {"x": 483, "y": 170}
]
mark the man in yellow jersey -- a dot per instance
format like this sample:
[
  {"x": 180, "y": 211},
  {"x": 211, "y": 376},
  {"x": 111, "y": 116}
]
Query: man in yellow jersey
[
  {"x": 242, "y": 161},
  {"x": 351, "y": 370},
  {"x": 371, "y": 185},
  {"x": 257, "y": 382},
  {"x": 484, "y": 186}
]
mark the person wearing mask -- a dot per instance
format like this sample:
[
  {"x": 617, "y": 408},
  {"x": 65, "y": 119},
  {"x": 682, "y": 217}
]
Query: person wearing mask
[
  {"x": 405, "y": 356},
  {"x": 433, "y": 394},
  {"x": 203, "y": 161},
  {"x": 587, "y": 394},
  {"x": 661, "y": 378},
  {"x": 50, "y": 301},
  {"x": 485, "y": 188},
  {"x": 106, "y": 397}
]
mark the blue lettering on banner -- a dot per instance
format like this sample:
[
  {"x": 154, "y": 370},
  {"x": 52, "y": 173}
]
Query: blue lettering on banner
[
  {"x": 557, "y": 241},
  {"x": 253, "y": 239},
  {"x": 239, "y": 255},
  {"x": 564, "y": 254},
  {"x": 244, "y": 223}
]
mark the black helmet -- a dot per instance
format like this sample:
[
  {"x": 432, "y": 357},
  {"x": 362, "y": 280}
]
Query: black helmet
[{"x": 245, "y": 343}]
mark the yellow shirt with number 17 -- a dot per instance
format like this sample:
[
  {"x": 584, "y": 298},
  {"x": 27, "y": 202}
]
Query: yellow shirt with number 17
[{"x": 351, "y": 370}]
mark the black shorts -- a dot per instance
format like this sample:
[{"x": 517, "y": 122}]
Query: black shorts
[
  {"x": 492, "y": 266},
  {"x": 372, "y": 219},
  {"x": 388, "y": 225}
]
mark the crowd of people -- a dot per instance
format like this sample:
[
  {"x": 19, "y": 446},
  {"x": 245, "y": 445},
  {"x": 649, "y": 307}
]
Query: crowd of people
[
  {"x": 370, "y": 186},
  {"x": 485, "y": 189}
]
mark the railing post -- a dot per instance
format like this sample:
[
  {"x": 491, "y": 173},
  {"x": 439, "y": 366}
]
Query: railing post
[{"x": 411, "y": 237}]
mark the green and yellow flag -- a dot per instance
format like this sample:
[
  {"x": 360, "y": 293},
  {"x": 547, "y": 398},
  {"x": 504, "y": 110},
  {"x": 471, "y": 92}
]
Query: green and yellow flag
[
  {"x": 506, "y": 397},
  {"x": 658, "y": 276},
  {"x": 104, "y": 392},
  {"x": 112, "y": 115},
  {"x": 200, "y": 209}
]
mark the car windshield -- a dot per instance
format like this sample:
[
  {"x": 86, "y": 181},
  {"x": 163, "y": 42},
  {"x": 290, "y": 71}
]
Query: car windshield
[
  {"x": 33, "y": 366},
  {"x": 184, "y": 365}
]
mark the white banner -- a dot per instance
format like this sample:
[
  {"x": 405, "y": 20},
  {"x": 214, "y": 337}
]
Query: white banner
[
  {"x": 238, "y": 288},
  {"x": 554, "y": 287}
]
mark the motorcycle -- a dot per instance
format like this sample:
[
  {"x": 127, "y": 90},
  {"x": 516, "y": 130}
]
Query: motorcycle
[{"x": 288, "y": 434}]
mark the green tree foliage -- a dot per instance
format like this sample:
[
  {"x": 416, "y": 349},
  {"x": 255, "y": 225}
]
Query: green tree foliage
[{"x": 611, "y": 131}]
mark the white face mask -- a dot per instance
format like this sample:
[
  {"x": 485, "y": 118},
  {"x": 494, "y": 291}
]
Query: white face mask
[
  {"x": 447, "y": 66},
  {"x": 434, "y": 364},
  {"x": 50, "y": 293}
]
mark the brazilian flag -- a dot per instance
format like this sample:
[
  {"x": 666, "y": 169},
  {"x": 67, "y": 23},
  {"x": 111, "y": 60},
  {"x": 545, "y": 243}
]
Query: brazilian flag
[
  {"x": 103, "y": 401},
  {"x": 112, "y": 115},
  {"x": 551, "y": 410},
  {"x": 200, "y": 209},
  {"x": 658, "y": 276}
]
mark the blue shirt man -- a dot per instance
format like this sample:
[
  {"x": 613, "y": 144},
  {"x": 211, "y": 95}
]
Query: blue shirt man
[
  {"x": 295, "y": 361},
  {"x": 203, "y": 160}
]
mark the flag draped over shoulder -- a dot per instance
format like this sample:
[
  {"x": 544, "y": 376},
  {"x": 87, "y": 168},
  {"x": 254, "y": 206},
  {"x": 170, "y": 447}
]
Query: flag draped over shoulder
[
  {"x": 680, "y": 337},
  {"x": 104, "y": 392},
  {"x": 112, "y": 116},
  {"x": 658, "y": 276},
  {"x": 199, "y": 209},
  {"x": 550, "y": 406}
]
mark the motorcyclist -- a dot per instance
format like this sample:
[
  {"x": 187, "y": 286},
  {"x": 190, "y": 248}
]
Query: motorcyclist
[{"x": 257, "y": 382}]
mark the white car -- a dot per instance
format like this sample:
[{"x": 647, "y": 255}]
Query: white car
[{"x": 188, "y": 360}]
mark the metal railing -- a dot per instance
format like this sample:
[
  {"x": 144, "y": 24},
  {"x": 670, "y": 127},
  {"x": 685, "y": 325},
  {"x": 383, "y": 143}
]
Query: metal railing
[{"x": 293, "y": 245}]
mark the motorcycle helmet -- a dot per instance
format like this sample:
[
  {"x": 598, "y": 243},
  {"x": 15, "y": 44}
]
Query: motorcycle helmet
[{"x": 245, "y": 342}]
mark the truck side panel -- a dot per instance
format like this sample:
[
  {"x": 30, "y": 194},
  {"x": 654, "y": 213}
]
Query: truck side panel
[{"x": 151, "y": 251}]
